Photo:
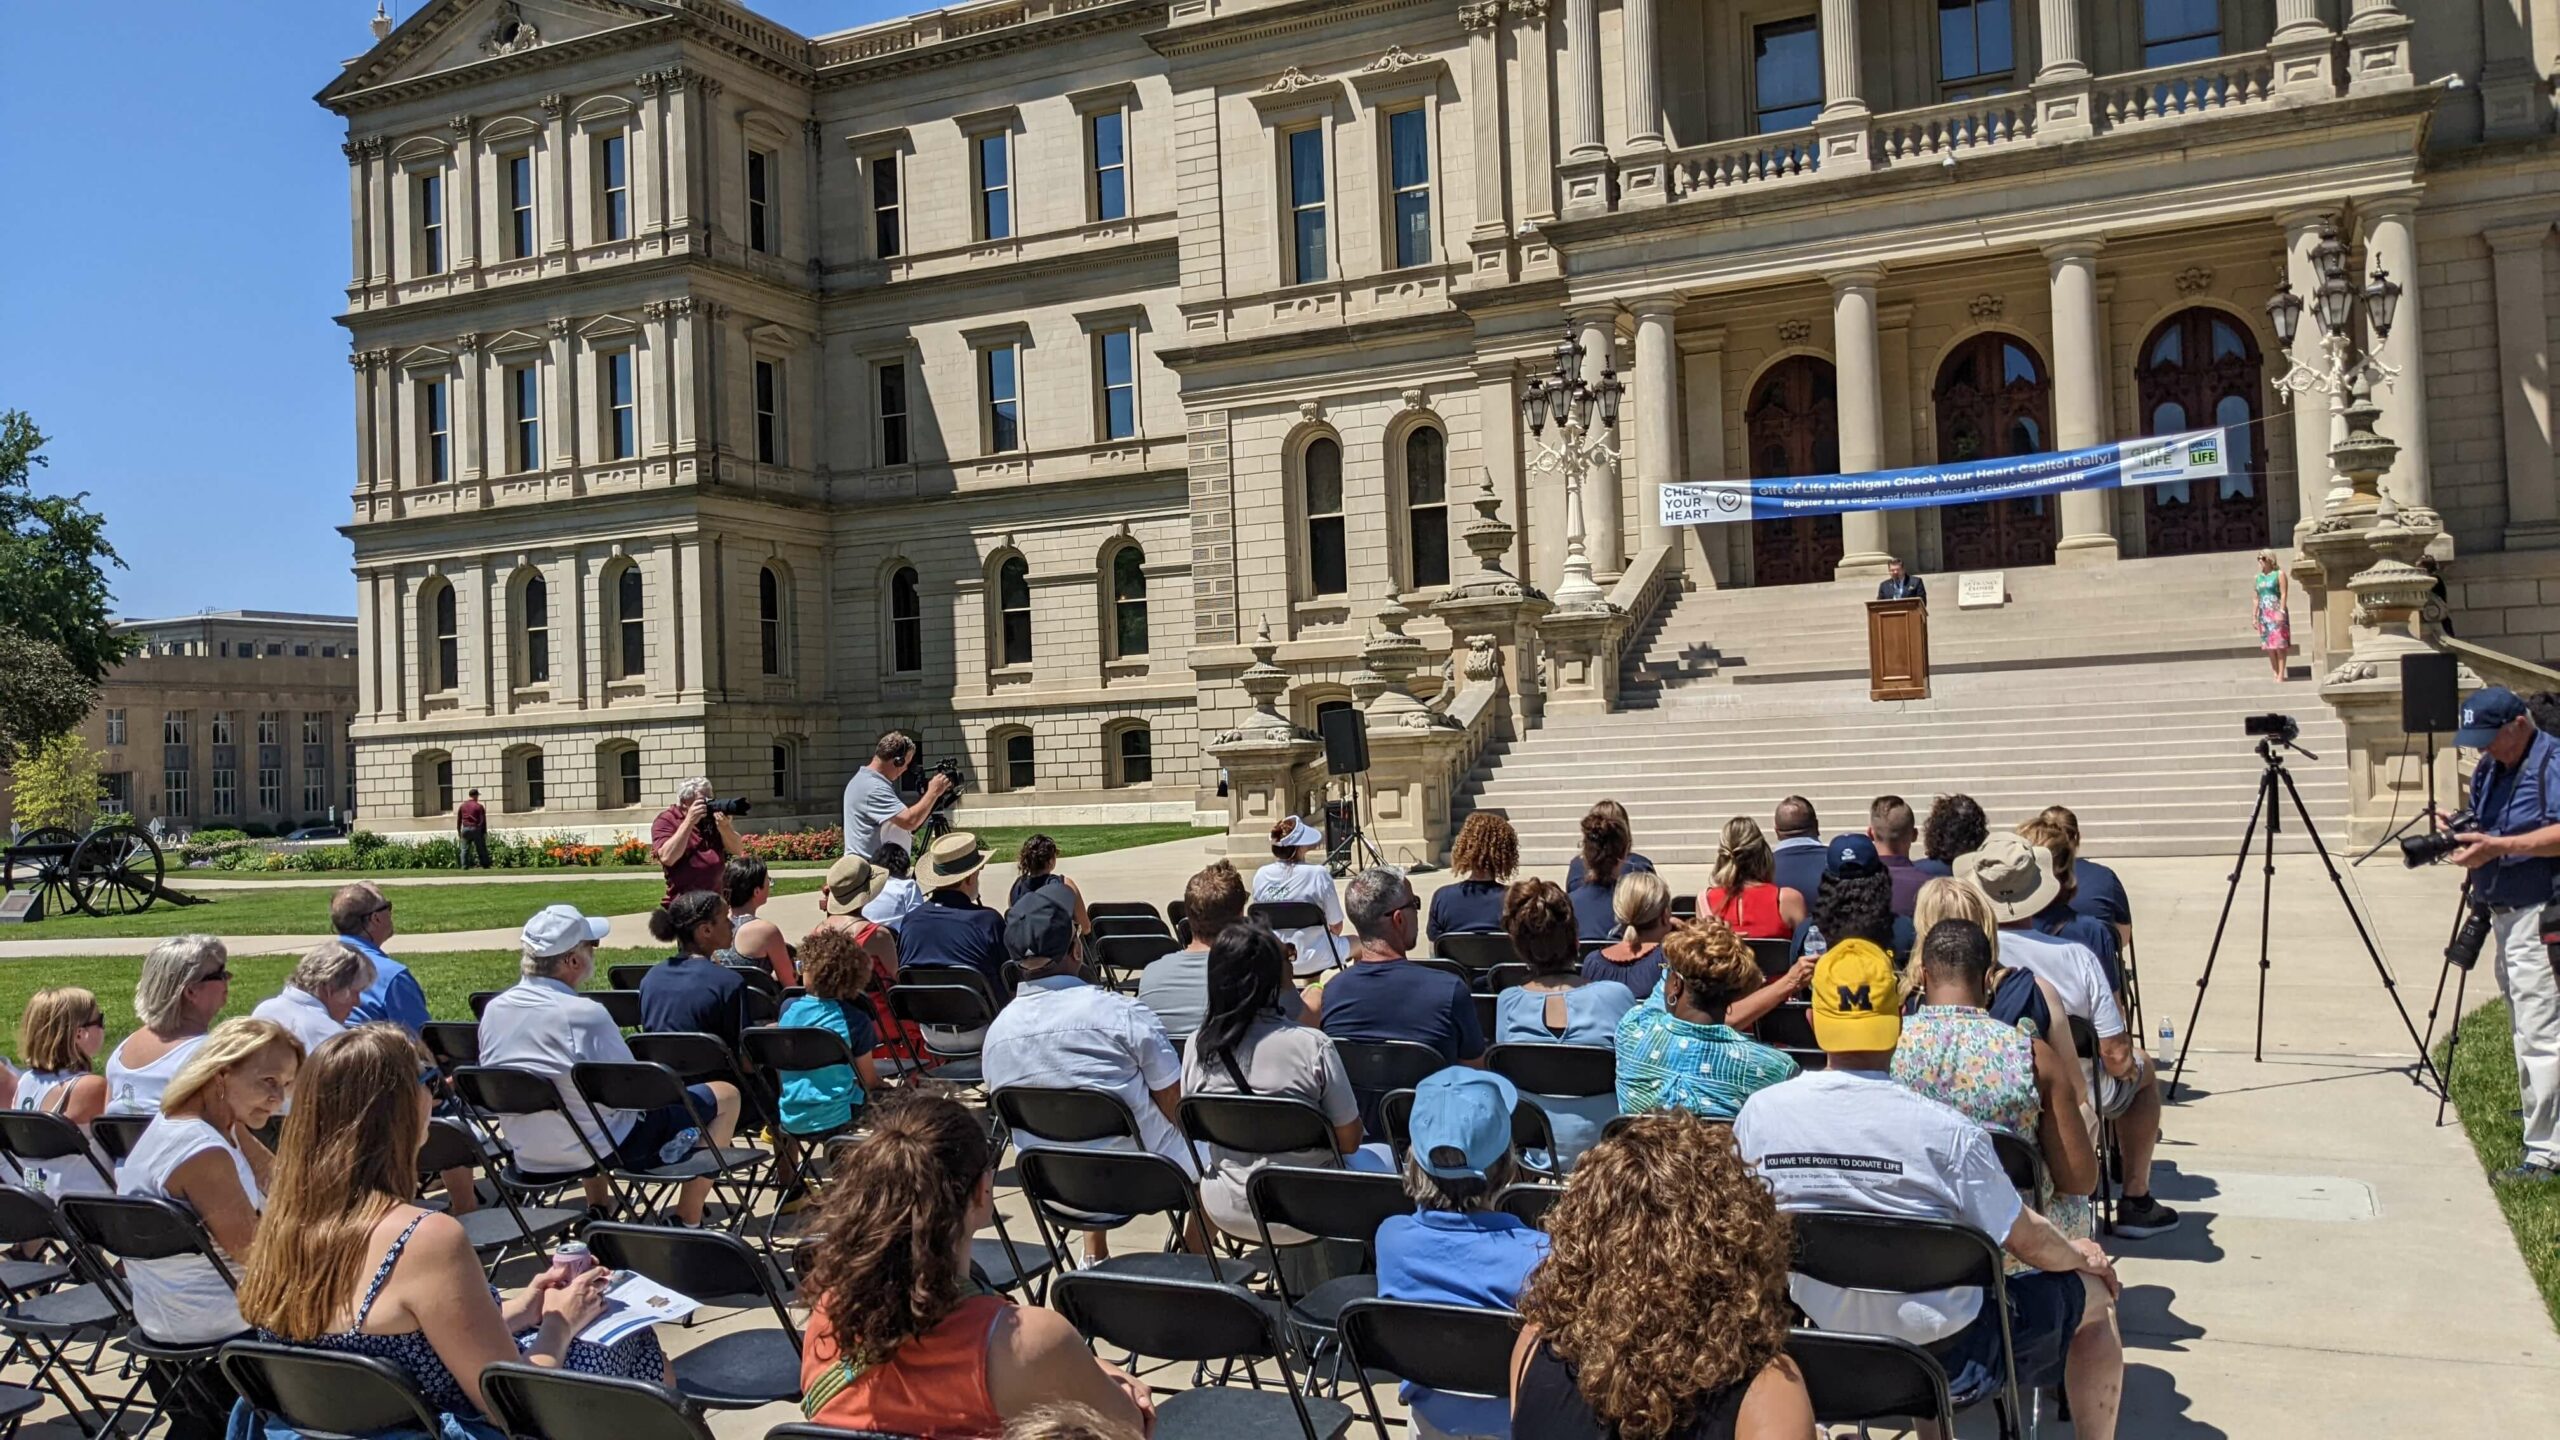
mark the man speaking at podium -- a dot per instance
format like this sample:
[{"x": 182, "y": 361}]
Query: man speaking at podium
[{"x": 1898, "y": 586}]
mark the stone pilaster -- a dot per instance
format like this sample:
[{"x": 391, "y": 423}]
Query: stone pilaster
[
  {"x": 1490, "y": 240},
  {"x": 1842, "y": 127},
  {"x": 2062, "y": 77},
  {"x": 2080, "y": 393},
  {"x": 1585, "y": 171},
  {"x": 1644, "y": 171},
  {"x": 2516, "y": 256},
  {"x": 1859, "y": 366}
]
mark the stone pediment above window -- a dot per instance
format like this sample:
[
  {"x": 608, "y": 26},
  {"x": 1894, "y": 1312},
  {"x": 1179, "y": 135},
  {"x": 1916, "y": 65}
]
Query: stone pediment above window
[
  {"x": 602, "y": 107},
  {"x": 453, "y": 34},
  {"x": 518, "y": 340},
  {"x": 772, "y": 335},
  {"x": 427, "y": 357},
  {"x": 608, "y": 327}
]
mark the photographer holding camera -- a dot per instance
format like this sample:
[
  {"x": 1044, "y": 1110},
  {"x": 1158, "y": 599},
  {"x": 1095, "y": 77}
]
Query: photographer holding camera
[
  {"x": 692, "y": 839},
  {"x": 874, "y": 812},
  {"x": 2515, "y": 793}
]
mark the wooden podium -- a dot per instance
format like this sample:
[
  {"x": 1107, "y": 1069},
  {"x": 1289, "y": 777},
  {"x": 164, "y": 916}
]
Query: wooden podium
[{"x": 1897, "y": 649}]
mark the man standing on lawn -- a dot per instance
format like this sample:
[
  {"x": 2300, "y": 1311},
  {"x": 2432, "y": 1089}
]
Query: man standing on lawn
[{"x": 471, "y": 830}]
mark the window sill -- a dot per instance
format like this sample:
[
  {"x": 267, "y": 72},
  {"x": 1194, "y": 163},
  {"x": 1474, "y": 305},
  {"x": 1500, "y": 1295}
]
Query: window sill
[
  {"x": 1131, "y": 669},
  {"x": 1325, "y": 610},
  {"x": 530, "y": 695},
  {"x": 626, "y": 689},
  {"x": 440, "y": 703},
  {"x": 1009, "y": 675}
]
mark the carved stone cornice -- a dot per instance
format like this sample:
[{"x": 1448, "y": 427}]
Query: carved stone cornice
[
  {"x": 668, "y": 309},
  {"x": 1480, "y": 14},
  {"x": 467, "y": 343},
  {"x": 553, "y": 104},
  {"x": 1291, "y": 81},
  {"x": 649, "y": 82},
  {"x": 1396, "y": 58},
  {"x": 707, "y": 86},
  {"x": 559, "y": 327},
  {"x": 463, "y": 126},
  {"x": 1529, "y": 12}
]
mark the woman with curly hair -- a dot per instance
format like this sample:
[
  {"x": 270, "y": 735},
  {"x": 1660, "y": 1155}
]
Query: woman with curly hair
[
  {"x": 901, "y": 1337},
  {"x": 1855, "y": 901},
  {"x": 837, "y": 970},
  {"x": 1661, "y": 1312},
  {"x": 1956, "y": 826},
  {"x": 1483, "y": 857},
  {"x": 1680, "y": 1049}
]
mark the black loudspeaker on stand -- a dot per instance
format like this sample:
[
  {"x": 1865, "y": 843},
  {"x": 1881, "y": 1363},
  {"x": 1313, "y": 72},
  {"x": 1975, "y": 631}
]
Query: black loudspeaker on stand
[
  {"x": 1346, "y": 759},
  {"x": 2430, "y": 705}
]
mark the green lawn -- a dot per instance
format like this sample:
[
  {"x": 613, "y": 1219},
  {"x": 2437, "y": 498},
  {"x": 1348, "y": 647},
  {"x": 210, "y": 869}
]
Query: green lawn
[
  {"x": 419, "y": 909},
  {"x": 448, "y": 980},
  {"x": 2484, "y": 1090}
]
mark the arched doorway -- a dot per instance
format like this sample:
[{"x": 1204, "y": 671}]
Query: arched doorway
[
  {"x": 1994, "y": 400},
  {"x": 2202, "y": 367},
  {"x": 1794, "y": 425}
]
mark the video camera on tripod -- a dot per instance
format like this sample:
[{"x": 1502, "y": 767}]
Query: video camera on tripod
[{"x": 948, "y": 767}]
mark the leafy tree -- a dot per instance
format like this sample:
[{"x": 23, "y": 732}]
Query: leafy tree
[
  {"x": 42, "y": 694},
  {"x": 57, "y": 783},
  {"x": 53, "y": 559}
]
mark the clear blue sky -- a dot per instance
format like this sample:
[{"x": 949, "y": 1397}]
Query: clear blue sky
[{"x": 173, "y": 252}]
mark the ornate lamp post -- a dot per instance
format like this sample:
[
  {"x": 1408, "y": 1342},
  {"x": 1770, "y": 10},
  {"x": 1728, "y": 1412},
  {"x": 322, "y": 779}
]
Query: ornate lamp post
[
  {"x": 2348, "y": 373},
  {"x": 1570, "y": 402}
]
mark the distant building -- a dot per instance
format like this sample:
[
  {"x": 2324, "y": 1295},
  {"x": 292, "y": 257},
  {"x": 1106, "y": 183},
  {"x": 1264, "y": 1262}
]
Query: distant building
[{"x": 229, "y": 719}]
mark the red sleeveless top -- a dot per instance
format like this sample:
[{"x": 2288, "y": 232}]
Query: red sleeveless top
[
  {"x": 934, "y": 1386},
  {"x": 1753, "y": 914}
]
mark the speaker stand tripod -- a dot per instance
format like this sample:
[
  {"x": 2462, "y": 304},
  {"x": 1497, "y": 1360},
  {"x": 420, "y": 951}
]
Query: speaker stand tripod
[
  {"x": 1345, "y": 857},
  {"x": 2433, "y": 817},
  {"x": 2270, "y": 807}
]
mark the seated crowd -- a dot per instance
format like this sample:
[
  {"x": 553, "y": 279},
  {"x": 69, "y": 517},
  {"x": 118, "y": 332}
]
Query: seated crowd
[{"x": 1898, "y": 1024}]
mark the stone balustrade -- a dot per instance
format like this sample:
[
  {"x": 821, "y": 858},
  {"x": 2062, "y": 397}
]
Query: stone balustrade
[
  {"x": 1958, "y": 128},
  {"x": 1786, "y": 155},
  {"x": 2167, "y": 93}
]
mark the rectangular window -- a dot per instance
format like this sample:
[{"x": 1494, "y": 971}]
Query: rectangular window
[
  {"x": 1004, "y": 404},
  {"x": 893, "y": 414},
  {"x": 444, "y": 785},
  {"x": 533, "y": 782},
  {"x": 315, "y": 730},
  {"x": 1328, "y": 530},
  {"x": 995, "y": 186},
  {"x": 315, "y": 791},
  {"x": 1109, "y": 137},
  {"x": 1306, "y": 206},
  {"x": 430, "y": 197},
  {"x": 2177, "y": 31},
  {"x": 524, "y": 416},
  {"x": 886, "y": 238},
  {"x": 769, "y": 433},
  {"x": 173, "y": 727},
  {"x": 1409, "y": 171},
  {"x": 627, "y": 771},
  {"x": 270, "y": 789},
  {"x": 613, "y": 182},
  {"x": 1786, "y": 74},
  {"x": 1116, "y": 367},
  {"x": 1975, "y": 53},
  {"x": 271, "y": 728},
  {"x": 1020, "y": 772},
  {"x": 621, "y": 407},
  {"x": 522, "y": 239},
  {"x": 1137, "y": 757},
  {"x": 119, "y": 791},
  {"x": 174, "y": 800},
  {"x": 226, "y": 792},
  {"x": 761, "y": 229},
  {"x": 782, "y": 785},
  {"x": 115, "y": 727},
  {"x": 436, "y": 421},
  {"x": 222, "y": 728}
]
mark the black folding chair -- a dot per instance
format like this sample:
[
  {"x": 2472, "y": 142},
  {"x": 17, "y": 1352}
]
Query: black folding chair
[
  {"x": 643, "y": 1086},
  {"x": 1789, "y": 1027},
  {"x": 1324, "y": 1204},
  {"x": 1147, "y": 926},
  {"x": 496, "y": 1093},
  {"x": 1589, "y": 948},
  {"x": 696, "y": 1058},
  {"x": 1684, "y": 907},
  {"x": 1566, "y": 1072},
  {"x": 1806, "y": 1059},
  {"x": 509, "y": 1229},
  {"x": 145, "y": 1228},
  {"x": 1529, "y": 1127},
  {"x": 1855, "y": 1379},
  {"x": 1454, "y": 1349},
  {"x": 622, "y": 1005},
  {"x": 1858, "y": 1251},
  {"x": 2023, "y": 1162},
  {"x": 34, "y": 1137},
  {"x": 1299, "y": 915},
  {"x": 1116, "y": 909},
  {"x": 2084, "y": 1039},
  {"x": 116, "y": 1135},
  {"x": 1488, "y": 1013},
  {"x": 1254, "y": 1125},
  {"x": 627, "y": 977},
  {"x": 1529, "y": 1201},
  {"x": 736, "y": 1371},
  {"x": 934, "y": 1005},
  {"x": 453, "y": 1043},
  {"x": 1509, "y": 975},
  {"x": 480, "y": 1001},
  {"x": 1774, "y": 956},
  {"x": 1379, "y": 1066},
  {"x": 1084, "y": 1190},
  {"x": 801, "y": 1430},
  {"x": 43, "y": 1327},
  {"x": 1198, "y": 1321},
  {"x": 531, "y": 1402},
  {"x": 1124, "y": 957},
  {"x": 327, "y": 1394},
  {"x": 1477, "y": 952}
]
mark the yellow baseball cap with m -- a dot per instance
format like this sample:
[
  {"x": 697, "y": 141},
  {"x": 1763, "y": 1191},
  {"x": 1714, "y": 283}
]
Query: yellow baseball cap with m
[{"x": 1857, "y": 1004}]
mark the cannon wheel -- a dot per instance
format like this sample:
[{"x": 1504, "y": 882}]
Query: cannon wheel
[
  {"x": 49, "y": 875},
  {"x": 117, "y": 871}
]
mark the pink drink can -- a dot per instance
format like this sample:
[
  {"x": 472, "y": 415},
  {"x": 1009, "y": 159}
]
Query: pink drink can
[{"x": 573, "y": 1257}]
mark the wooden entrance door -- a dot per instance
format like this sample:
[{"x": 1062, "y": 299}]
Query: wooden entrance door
[
  {"x": 1995, "y": 400},
  {"x": 1794, "y": 424},
  {"x": 2202, "y": 367}
]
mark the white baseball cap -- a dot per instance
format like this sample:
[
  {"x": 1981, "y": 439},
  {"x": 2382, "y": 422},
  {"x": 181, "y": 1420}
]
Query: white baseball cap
[{"x": 559, "y": 929}]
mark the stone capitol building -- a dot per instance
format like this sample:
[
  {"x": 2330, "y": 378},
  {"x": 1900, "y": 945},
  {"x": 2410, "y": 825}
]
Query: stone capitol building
[{"x": 726, "y": 397}]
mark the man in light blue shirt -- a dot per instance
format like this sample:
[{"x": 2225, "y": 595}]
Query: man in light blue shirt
[{"x": 362, "y": 917}]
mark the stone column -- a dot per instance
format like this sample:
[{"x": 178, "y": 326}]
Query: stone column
[
  {"x": 462, "y": 202},
  {"x": 648, "y": 181},
  {"x": 361, "y": 220},
  {"x": 1861, "y": 381},
  {"x": 1657, "y": 437},
  {"x": 1490, "y": 240},
  {"x": 2079, "y": 392},
  {"x": 2390, "y": 241},
  {"x": 2312, "y": 423},
  {"x": 555, "y": 240},
  {"x": 1902, "y": 528},
  {"x": 2301, "y": 49},
  {"x": 362, "y": 363},
  {"x": 2062, "y": 77},
  {"x": 1644, "y": 173},
  {"x": 1702, "y": 374},
  {"x": 560, "y": 430},
  {"x": 470, "y": 434},
  {"x": 681, "y": 199},
  {"x": 2516, "y": 255},
  {"x": 1842, "y": 126},
  {"x": 1603, "y": 514},
  {"x": 1585, "y": 171},
  {"x": 2513, "y": 103},
  {"x": 2377, "y": 36},
  {"x": 377, "y": 184},
  {"x": 1537, "y": 123}
]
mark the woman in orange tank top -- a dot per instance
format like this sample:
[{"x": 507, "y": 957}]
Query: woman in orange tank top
[
  {"x": 900, "y": 1338},
  {"x": 1747, "y": 897}
]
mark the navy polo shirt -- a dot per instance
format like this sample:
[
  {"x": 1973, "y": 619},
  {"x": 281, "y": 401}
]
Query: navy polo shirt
[
  {"x": 949, "y": 928},
  {"x": 693, "y": 993},
  {"x": 2065, "y": 923},
  {"x": 1595, "y": 912},
  {"x": 2512, "y": 802},
  {"x": 1801, "y": 862},
  {"x": 1393, "y": 1000},
  {"x": 1573, "y": 868},
  {"x": 1468, "y": 907},
  {"x": 2099, "y": 893}
]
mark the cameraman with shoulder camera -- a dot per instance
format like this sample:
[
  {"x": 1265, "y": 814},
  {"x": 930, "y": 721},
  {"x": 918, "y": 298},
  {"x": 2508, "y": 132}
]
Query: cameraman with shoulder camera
[
  {"x": 692, "y": 839},
  {"x": 2515, "y": 793},
  {"x": 873, "y": 809}
]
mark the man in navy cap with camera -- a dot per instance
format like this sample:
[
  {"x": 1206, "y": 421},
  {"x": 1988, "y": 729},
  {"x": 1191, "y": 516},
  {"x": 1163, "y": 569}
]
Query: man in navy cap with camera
[{"x": 2515, "y": 794}]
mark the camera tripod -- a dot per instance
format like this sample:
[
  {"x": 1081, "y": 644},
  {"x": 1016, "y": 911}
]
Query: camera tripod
[
  {"x": 2270, "y": 807},
  {"x": 2462, "y": 982}
]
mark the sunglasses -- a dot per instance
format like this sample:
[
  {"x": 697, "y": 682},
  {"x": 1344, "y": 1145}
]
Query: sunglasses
[
  {"x": 98, "y": 1022},
  {"x": 431, "y": 1076},
  {"x": 222, "y": 974}
]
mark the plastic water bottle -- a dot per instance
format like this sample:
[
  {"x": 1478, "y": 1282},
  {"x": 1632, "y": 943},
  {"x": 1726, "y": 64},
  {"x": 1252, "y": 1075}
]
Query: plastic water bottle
[
  {"x": 2168, "y": 1036},
  {"x": 681, "y": 1146}
]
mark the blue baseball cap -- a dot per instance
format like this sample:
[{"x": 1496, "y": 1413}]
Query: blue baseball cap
[
  {"x": 1852, "y": 855},
  {"x": 2485, "y": 714},
  {"x": 1466, "y": 1113}
]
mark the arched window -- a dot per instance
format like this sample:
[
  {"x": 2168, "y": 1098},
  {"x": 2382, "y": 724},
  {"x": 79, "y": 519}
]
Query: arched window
[
  {"x": 1426, "y": 499},
  {"x": 433, "y": 773},
  {"x": 1013, "y": 611},
  {"x": 525, "y": 788},
  {"x": 785, "y": 756},
  {"x": 630, "y": 623},
  {"x": 1328, "y": 542},
  {"x": 1995, "y": 400},
  {"x": 1128, "y": 602},
  {"x": 769, "y": 627},
  {"x": 906, "y": 622},
  {"x": 444, "y": 639},
  {"x": 1014, "y": 765},
  {"x": 533, "y": 608},
  {"x": 2201, "y": 367},
  {"x": 1794, "y": 426},
  {"x": 617, "y": 775},
  {"x": 1133, "y": 756}
]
